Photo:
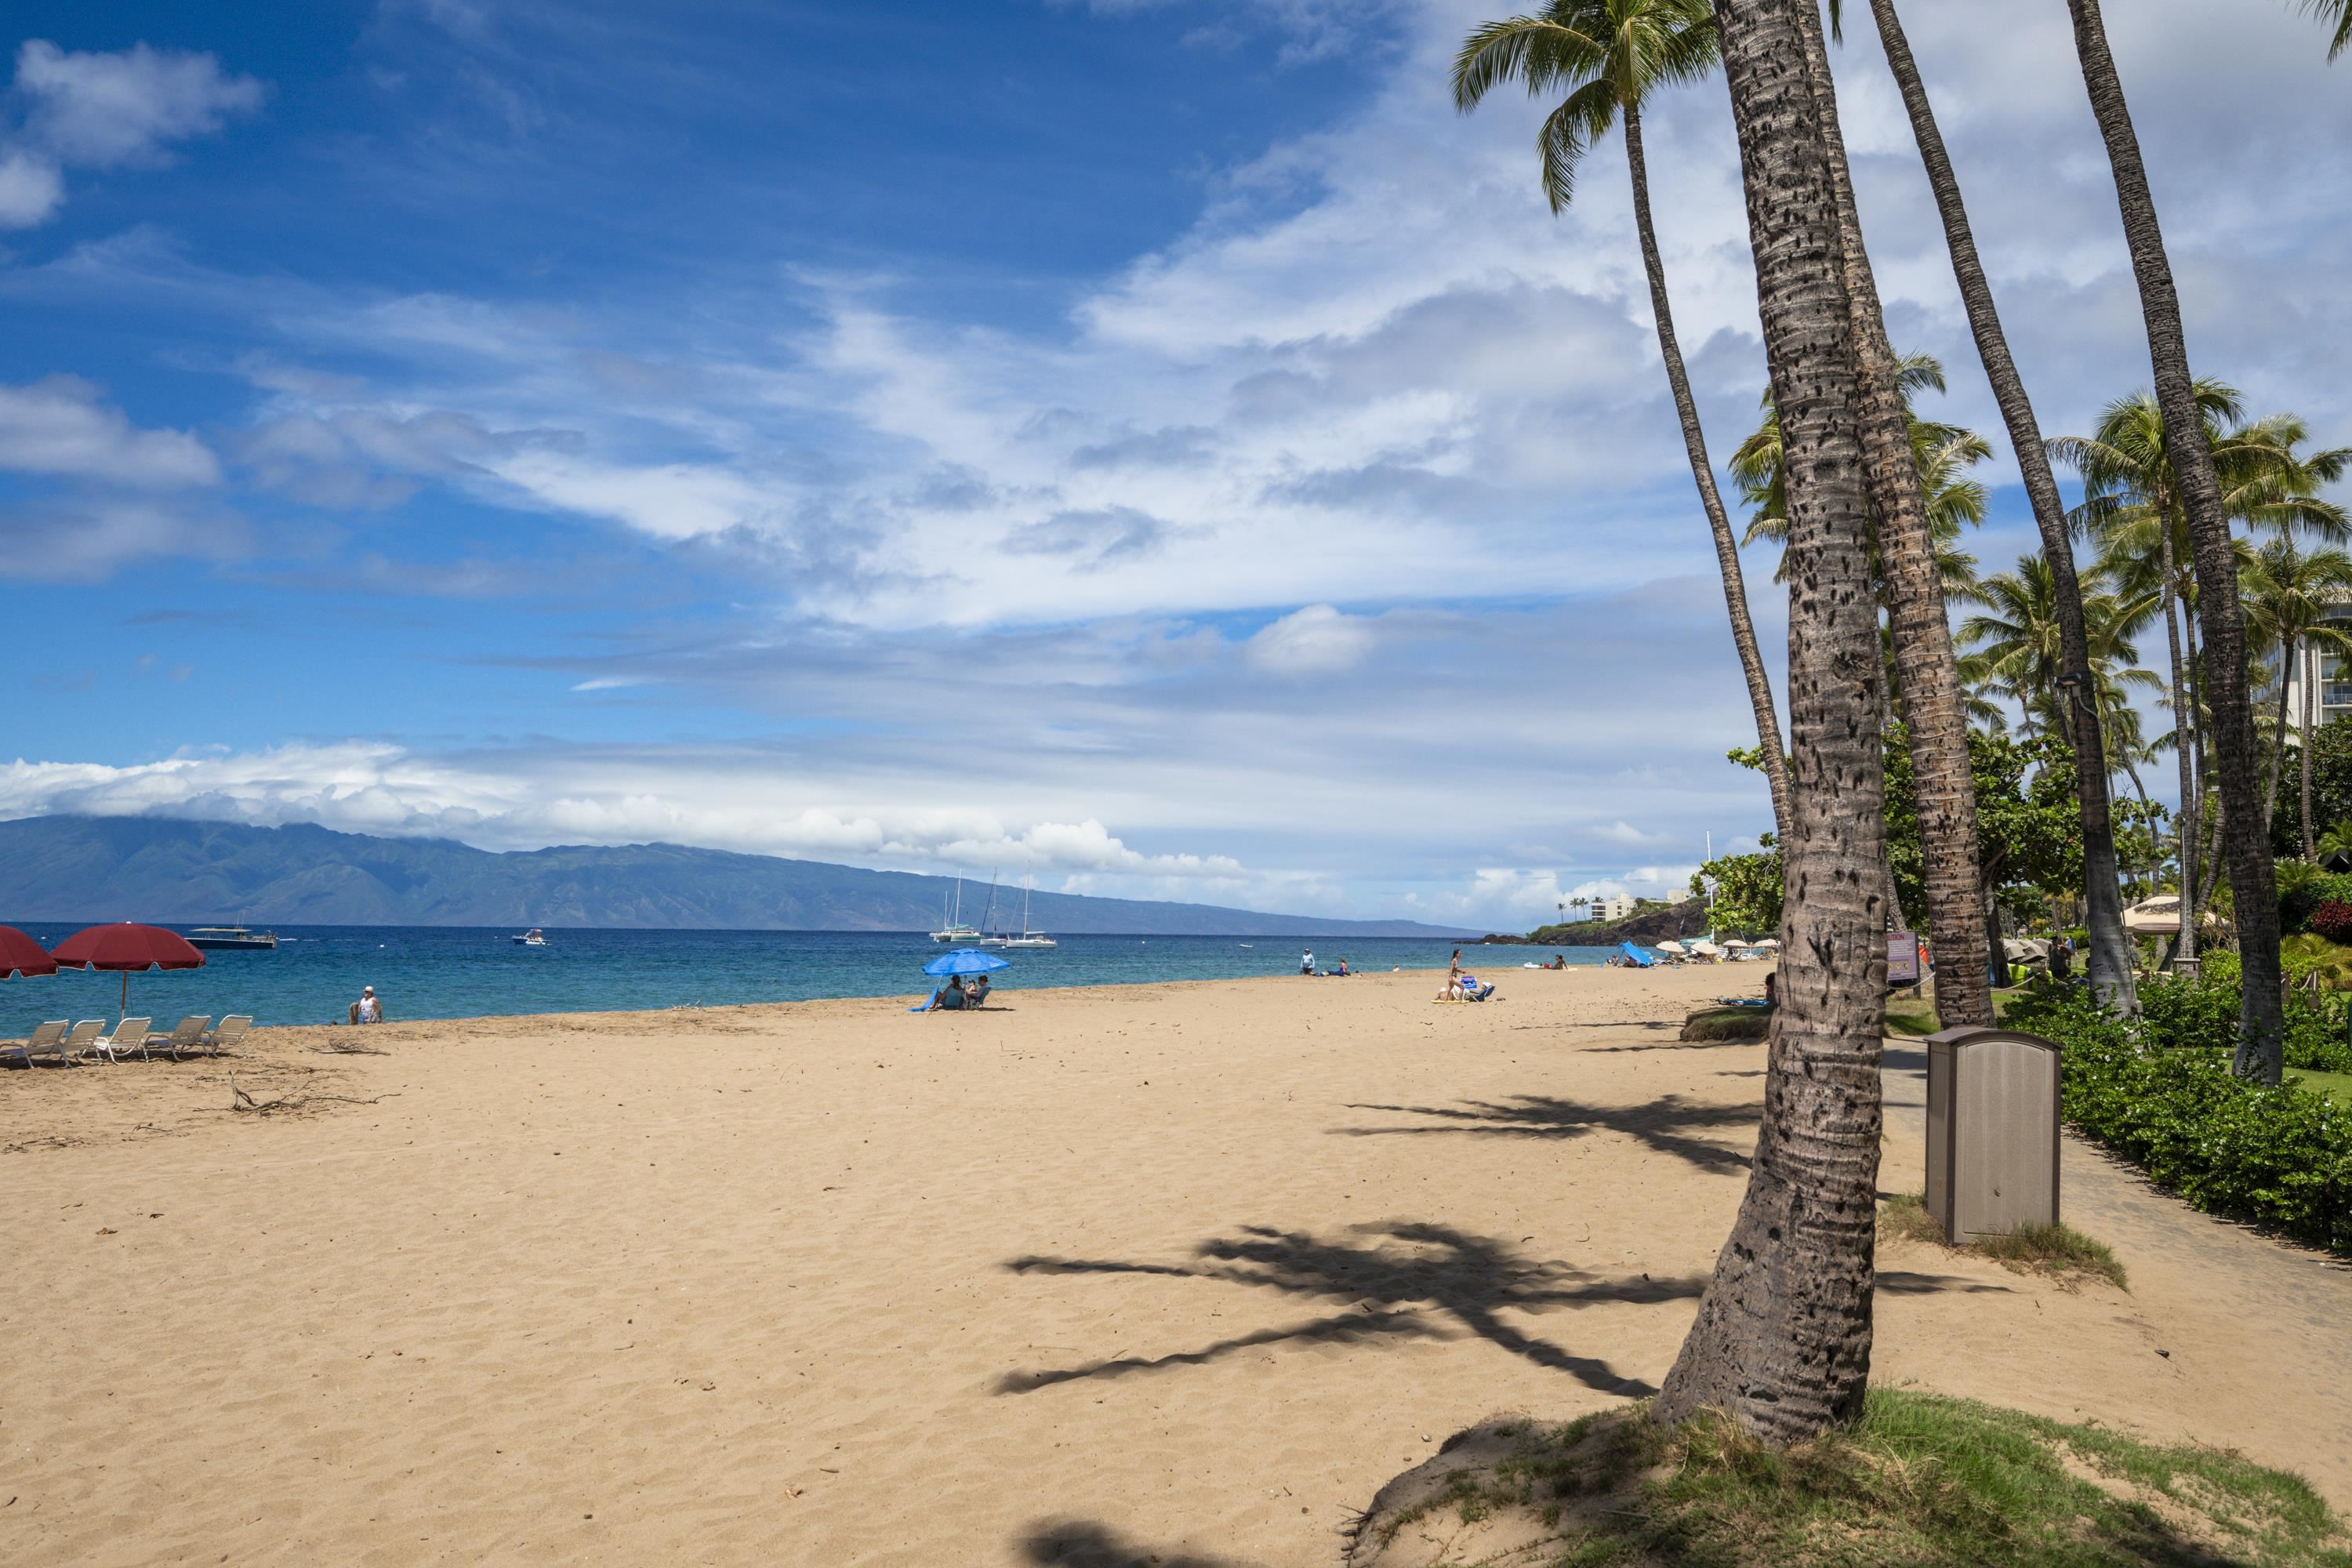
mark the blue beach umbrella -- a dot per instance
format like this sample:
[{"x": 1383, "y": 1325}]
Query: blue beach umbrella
[{"x": 964, "y": 960}]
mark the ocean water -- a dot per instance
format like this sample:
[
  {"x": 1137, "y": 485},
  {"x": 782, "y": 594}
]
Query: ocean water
[{"x": 444, "y": 972}]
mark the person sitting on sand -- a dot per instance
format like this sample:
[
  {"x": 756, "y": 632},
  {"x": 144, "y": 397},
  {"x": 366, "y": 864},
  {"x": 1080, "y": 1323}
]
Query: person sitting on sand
[
  {"x": 1342, "y": 970},
  {"x": 367, "y": 1009},
  {"x": 977, "y": 992},
  {"x": 950, "y": 995},
  {"x": 1559, "y": 960}
]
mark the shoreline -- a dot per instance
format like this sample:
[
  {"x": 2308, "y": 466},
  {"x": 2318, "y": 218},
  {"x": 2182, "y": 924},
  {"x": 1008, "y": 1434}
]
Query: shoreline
[{"x": 1189, "y": 1267}]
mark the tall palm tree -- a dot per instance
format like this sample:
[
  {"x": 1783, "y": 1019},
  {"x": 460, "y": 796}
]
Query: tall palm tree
[
  {"x": 2132, "y": 507},
  {"x": 2021, "y": 643},
  {"x": 2110, "y": 956},
  {"x": 1943, "y": 455},
  {"x": 1781, "y": 1342},
  {"x": 1607, "y": 56},
  {"x": 2290, "y": 594},
  {"x": 2253, "y": 886},
  {"x": 1935, "y": 722}
]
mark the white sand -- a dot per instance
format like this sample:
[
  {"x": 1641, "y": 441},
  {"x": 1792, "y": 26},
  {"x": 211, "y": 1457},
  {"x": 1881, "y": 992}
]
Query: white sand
[{"x": 1096, "y": 1275}]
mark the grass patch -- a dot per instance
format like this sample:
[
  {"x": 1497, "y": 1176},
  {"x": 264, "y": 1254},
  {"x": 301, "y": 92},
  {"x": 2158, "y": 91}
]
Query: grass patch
[
  {"x": 1907, "y": 1016},
  {"x": 2337, "y": 1085},
  {"x": 1728, "y": 1024},
  {"x": 1919, "y": 1479},
  {"x": 2059, "y": 1250}
]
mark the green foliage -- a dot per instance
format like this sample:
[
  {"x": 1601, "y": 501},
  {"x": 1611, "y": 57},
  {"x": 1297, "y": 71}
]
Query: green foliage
[
  {"x": 2304, "y": 889},
  {"x": 2331, "y": 772},
  {"x": 1917, "y": 1478},
  {"x": 2028, "y": 825},
  {"x": 1747, "y": 890},
  {"x": 2280, "y": 1157}
]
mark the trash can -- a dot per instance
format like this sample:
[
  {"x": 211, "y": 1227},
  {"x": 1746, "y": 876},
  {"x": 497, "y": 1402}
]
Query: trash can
[{"x": 1992, "y": 1131}]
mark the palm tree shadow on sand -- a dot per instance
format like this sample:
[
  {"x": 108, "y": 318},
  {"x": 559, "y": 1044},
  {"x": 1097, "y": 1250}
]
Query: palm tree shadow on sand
[
  {"x": 1086, "y": 1543},
  {"x": 1666, "y": 1124},
  {"x": 1402, "y": 1280}
]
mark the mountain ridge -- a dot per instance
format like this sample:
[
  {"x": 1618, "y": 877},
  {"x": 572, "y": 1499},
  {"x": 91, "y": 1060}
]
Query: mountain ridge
[{"x": 181, "y": 872}]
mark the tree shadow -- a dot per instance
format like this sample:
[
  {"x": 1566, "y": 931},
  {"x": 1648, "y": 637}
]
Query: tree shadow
[
  {"x": 1903, "y": 1282},
  {"x": 1676, "y": 1046},
  {"x": 1663, "y": 1124},
  {"x": 1088, "y": 1544},
  {"x": 1402, "y": 1280}
]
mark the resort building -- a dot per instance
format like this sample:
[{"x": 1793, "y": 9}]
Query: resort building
[
  {"x": 2325, "y": 674},
  {"x": 1619, "y": 908}
]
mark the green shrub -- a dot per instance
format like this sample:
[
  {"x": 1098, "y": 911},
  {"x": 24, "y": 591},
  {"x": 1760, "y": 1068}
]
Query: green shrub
[
  {"x": 2280, "y": 1157},
  {"x": 2304, "y": 889}
]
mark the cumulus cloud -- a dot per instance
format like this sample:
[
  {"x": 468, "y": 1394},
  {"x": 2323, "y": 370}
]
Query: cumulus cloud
[
  {"x": 1316, "y": 640},
  {"x": 59, "y": 427},
  {"x": 102, "y": 109}
]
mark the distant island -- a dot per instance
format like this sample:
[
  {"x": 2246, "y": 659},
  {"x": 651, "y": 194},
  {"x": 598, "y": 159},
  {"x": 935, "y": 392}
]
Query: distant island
[
  {"x": 66, "y": 868},
  {"x": 1653, "y": 921}
]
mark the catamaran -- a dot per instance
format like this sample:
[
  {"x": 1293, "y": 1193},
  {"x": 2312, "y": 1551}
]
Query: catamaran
[{"x": 956, "y": 929}]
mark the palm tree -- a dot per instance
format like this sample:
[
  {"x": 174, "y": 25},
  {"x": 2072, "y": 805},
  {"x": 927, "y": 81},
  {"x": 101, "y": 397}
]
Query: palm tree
[
  {"x": 1781, "y": 1342},
  {"x": 2253, "y": 885},
  {"x": 2018, "y": 643},
  {"x": 1608, "y": 57},
  {"x": 2289, "y": 596},
  {"x": 1943, "y": 778},
  {"x": 1943, "y": 455},
  {"x": 2339, "y": 12},
  {"x": 2110, "y": 957}
]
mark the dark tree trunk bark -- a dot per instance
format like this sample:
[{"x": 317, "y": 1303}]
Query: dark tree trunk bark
[
  {"x": 2184, "y": 752},
  {"x": 1727, "y": 547},
  {"x": 2278, "y": 736},
  {"x": 2310, "y": 845},
  {"x": 2253, "y": 883},
  {"x": 1943, "y": 784},
  {"x": 2110, "y": 957},
  {"x": 1782, "y": 1339}
]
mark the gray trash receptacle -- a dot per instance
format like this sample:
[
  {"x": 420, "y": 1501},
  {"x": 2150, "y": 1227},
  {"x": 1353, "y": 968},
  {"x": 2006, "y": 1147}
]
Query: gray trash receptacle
[{"x": 1992, "y": 1131}]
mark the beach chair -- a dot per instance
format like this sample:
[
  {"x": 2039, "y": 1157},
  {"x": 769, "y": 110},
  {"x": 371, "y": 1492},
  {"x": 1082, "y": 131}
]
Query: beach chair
[
  {"x": 44, "y": 1041},
  {"x": 130, "y": 1034},
  {"x": 82, "y": 1039},
  {"x": 230, "y": 1034},
  {"x": 188, "y": 1037}
]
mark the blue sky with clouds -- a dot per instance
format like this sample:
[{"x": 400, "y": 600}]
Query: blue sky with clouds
[{"x": 1159, "y": 444}]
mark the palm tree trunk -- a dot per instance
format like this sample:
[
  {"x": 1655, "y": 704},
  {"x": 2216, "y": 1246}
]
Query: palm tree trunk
[
  {"x": 2310, "y": 678},
  {"x": 2184, "y": 752},
  {"x": 2278, "y": 736},
  {"x": 1782, "y": 1339},
  {"x": 2253, "y": 883},
  {"x": 2110, "y": 956},
  {"x": 1727, "y": 548},
  {"x": 1944, "y": 784}
]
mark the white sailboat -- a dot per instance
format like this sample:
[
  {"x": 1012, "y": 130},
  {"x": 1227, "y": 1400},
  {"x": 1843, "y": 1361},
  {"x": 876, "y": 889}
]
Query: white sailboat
[
  {"x": 1027, "y": 939},
  {"x": 956, "y": 929}
]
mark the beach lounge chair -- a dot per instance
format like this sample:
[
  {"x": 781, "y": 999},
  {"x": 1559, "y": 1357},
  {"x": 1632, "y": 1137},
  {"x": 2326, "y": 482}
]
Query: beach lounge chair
[
  {"x": 44, "y": 1041},
  {"x": 188, "y": 1037},
  {"x": 130, "y": 1034},
  {"x": 230, "y": 1034},
  {"x": 81, "y": 1040}
]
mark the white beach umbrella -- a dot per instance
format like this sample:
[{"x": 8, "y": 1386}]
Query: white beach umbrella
[
  {"x": 1674, "y": 947},
  {"x": 1770, "y": 944}
]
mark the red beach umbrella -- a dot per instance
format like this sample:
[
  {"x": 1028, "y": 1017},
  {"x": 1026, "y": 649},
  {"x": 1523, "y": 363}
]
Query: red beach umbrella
[
  {"x": 20, "y": 955},
  {"x": 128, "y": 947}
]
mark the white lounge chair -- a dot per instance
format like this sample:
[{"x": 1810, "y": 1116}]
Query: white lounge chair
[
  {"x": 44, "y": 1041},
  {"x": 232, "y": 1031},
  {"x": 188, "y": 1037},
  {"x": 82, "y": 1039},
  {"x": 130, "y": 1034}
]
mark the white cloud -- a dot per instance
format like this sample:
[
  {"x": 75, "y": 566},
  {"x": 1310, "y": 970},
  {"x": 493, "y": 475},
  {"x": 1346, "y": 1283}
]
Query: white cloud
[
  {"x": 102, "y": 108},
  {"x": 1316, "y": 640},
  {"x": 59, "y": 427},
  {"x": 31, "y": 188}
]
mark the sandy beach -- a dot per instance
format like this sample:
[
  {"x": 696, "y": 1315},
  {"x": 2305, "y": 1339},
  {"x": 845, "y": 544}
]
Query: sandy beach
[{"x": 1174, "y": 1273}]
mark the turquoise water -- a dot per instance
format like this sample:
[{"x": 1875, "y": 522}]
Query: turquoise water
[{"x": 441, "y": 972}]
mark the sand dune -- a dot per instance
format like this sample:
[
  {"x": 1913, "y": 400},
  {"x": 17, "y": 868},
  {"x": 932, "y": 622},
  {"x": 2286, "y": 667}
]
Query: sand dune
[{"x": 1175, "y": 1274}]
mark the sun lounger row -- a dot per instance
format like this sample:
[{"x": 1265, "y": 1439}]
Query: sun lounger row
[{"x": 70, "y": 1045}]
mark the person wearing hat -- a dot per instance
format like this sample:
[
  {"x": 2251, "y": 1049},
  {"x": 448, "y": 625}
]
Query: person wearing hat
[{"x": 367, "y": 1009}]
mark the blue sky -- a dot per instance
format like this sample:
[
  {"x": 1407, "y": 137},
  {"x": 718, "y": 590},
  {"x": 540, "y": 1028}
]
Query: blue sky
[{"x": 1157, "y": 444}]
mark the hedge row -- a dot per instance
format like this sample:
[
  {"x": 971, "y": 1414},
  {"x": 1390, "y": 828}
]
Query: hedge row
[
  {"x": 2280, "y": 1157},
  {"x": 2204, "y": 1012}
]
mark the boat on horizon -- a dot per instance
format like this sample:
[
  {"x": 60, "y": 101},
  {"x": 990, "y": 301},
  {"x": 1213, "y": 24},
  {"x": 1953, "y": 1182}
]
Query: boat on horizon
[
  {"x": 956, "y": 930},
  {"x": 531, "y": 937},
  {"x": 232, "y": 939},
  {"x": 1027, "y": 939}
]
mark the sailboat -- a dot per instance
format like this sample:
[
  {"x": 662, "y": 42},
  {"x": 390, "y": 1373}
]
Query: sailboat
[
  {"x": 1027, "y": 939},
  {"x": 956, "y": 929}
]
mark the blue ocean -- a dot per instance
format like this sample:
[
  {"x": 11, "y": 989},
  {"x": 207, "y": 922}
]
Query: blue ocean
[{"x": 451, "y": 972}]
